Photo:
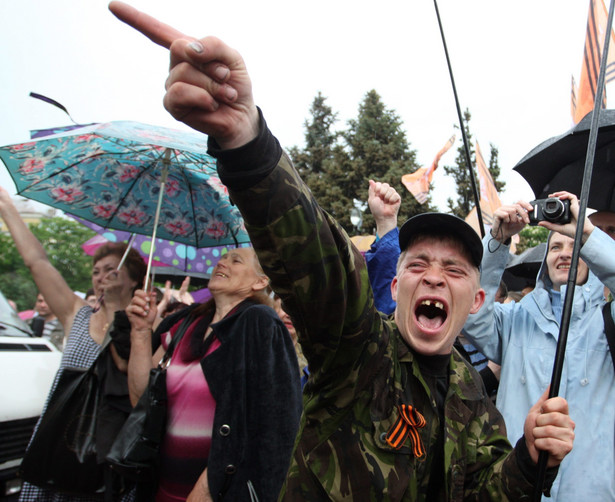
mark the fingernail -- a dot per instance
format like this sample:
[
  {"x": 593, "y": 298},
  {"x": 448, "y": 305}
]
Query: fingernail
[
  {"x": 221, "y": 72},
  {"x": 230, "y": 93},
  {"x": 196, "y": 47}
]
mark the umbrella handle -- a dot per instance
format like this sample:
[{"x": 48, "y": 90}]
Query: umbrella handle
[{"x": 166, "y": 160}]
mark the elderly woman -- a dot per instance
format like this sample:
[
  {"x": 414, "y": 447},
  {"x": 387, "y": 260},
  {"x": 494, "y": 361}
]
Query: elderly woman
[
  {"x": 86, "y": 328},
  {"x": 234, "y": 397}
]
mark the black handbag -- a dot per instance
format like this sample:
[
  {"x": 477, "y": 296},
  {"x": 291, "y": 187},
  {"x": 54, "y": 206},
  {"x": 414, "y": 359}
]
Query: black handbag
[
  {"x": 135, "y": 452},
  {"x": 62, "y": 455}
]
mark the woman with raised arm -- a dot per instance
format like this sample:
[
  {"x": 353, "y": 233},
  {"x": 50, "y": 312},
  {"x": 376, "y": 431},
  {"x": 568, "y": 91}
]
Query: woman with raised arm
[{"x": 86, "y": 327}]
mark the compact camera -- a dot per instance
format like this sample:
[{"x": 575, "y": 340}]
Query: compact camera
[{"x": 552, "y": 209}]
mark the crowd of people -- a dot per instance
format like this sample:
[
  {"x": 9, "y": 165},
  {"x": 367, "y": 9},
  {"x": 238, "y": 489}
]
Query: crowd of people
[{"x": 314, "y": 373}]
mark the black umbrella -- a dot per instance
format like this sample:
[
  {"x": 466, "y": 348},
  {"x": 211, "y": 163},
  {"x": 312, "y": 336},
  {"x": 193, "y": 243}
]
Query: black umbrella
[
  {"x": 522, "y": 269},
  {"x": 558, "y": 163},
  {"x": 176, "y": 276}
]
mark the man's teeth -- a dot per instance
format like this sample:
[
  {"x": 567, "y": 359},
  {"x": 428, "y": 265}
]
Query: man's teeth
[
  {"x": 567, "y": 267},
  {"x": 438, "y": 305},
  {"x": 220, "y": 274}
]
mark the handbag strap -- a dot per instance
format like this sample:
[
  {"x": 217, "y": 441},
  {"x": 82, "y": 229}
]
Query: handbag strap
[
  {"x": 177, "y": 336},
  {"x": 609, "y": 328}
]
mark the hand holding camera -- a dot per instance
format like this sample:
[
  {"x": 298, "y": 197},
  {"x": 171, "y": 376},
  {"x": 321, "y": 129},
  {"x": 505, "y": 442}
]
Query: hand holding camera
[
  {"x": 558, "y": 213},
  {"x": 566, "y": 222}
]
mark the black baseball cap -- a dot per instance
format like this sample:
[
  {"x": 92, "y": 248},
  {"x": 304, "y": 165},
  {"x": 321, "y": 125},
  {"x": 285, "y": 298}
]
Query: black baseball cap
[{"x": 443, "y": 224}]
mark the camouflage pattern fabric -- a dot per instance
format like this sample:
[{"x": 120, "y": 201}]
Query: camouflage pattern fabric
[{"x": 361, "y": 370}]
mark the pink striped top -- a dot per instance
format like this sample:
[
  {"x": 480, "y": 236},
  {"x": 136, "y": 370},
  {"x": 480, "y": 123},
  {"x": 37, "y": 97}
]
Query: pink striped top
[{"x": 190, "y": 418}]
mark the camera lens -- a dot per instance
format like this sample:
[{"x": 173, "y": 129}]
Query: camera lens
[{"x": 553, "y": 209}]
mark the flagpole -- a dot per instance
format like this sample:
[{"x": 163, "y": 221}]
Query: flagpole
[
  {"x": 479, "y": 212},
  {"x": 572, "y": 274}
]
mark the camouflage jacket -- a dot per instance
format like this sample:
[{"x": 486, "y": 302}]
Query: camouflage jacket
[{"x": 360, "y": 367}]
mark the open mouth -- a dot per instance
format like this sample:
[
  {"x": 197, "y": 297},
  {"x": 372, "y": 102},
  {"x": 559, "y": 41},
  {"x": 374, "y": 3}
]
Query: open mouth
[{"x": 430, "y": 314}]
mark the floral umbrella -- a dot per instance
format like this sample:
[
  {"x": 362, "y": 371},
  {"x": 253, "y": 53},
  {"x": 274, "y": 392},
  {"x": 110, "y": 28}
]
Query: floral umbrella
[{"x": 113, "y": 174}]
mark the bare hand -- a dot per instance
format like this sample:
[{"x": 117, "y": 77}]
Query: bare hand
[
  {"x": 384, "y": 203},
  {"x": 5, "y": 198},
  {"x": 208, "y": 87},
  {"x": 182, "y": 296},
  {"x": 569, "y": 229},
  {"x": 510, "y": 220},
  {"x": 548, "y": 427},
  {"x": 200, "y": 492},
  {"x": 142, "y": 312},
  {"x": 112, "y": 287}
]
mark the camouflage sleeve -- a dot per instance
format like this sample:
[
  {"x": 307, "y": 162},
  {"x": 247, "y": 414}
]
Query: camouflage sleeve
[
  {"x": 502, "y": 479},
  {"x": 311, "y": 262},
  {"x": 495, "y": 471}
]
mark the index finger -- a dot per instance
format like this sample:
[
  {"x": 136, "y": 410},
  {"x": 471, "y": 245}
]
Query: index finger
[{"x": 159, "y": 33}]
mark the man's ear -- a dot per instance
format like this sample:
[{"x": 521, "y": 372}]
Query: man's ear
[
  {"x": 479, "y": 299},
  {"x": 394, "y": 288}
]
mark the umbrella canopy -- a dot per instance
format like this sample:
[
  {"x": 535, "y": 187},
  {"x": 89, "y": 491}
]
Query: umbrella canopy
[
  {"x": 111, "y": 174},
  {"x": 522, "y": 269},
  {"x": 559, "y": 163}
]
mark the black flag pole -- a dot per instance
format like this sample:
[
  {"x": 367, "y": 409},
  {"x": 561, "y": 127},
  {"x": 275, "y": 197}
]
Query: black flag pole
[
  {"x": 572, "y": 274},
  {"x": 466, "y": 146}
]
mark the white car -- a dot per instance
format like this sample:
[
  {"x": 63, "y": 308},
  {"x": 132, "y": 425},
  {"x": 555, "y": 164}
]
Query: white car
[{"x": 27, "y": 368}]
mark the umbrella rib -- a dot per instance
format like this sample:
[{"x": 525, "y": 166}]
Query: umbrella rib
[
  {"x": 190, "y": 191},
  {"x": 137, "y": 178}
]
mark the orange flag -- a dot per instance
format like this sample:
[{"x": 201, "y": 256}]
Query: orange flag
[
  {"x": 418, "y": 182},
  {"x": 583, "y": 95},
  {"x": 489, "y": 198}
]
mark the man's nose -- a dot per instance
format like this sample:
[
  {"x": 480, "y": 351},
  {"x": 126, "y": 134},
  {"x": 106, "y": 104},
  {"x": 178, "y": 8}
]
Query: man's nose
[{"x": 433, "y": 277}]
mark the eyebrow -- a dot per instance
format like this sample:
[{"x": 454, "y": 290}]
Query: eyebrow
[{"x": 453, "y": 260}]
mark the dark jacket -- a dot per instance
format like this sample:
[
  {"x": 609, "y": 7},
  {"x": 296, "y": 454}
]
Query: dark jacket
[
  {"x": 254, "y": 379},
  {"x": 360, "y": 366}
]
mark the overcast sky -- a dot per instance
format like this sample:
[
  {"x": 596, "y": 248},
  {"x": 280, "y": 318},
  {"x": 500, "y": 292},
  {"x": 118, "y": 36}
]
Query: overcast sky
[{"x": 512, "y": 63}]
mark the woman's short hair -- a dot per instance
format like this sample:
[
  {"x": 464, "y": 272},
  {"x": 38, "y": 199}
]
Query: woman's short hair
[{"x": 134, "y": 263}]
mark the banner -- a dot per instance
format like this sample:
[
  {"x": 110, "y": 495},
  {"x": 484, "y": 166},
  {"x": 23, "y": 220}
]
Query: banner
[
  {"x": 418, "y": 182},
  {"x": 582, "y": 96},
  {"x": 489, "y": 198}
]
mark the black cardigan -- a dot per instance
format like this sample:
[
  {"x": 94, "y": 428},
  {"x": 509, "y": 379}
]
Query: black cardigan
[{"x": 254, "y": 379}]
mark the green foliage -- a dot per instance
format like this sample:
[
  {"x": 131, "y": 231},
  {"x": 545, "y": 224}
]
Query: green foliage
[
  {"x": 337, "y": 166},
  {"x": 530, "y": 237},
  {"x": 319, "y": 139},
  {"x": 61, "y": 238},
  {"x": 15, "y": 280}
]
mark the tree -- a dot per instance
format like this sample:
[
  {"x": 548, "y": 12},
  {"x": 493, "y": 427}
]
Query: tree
[
  {"x": 379, "y": 150},
  {"x": 530, "y": 237},
  {"x": 466, "y": 200},
  {"x": 338, "y": 165},
  {"x": 494, "y": 168},
  {"x": 319, "y": 139},
  {"x": 322, "y": 151},
  {"x": 61, "y": 238}
]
